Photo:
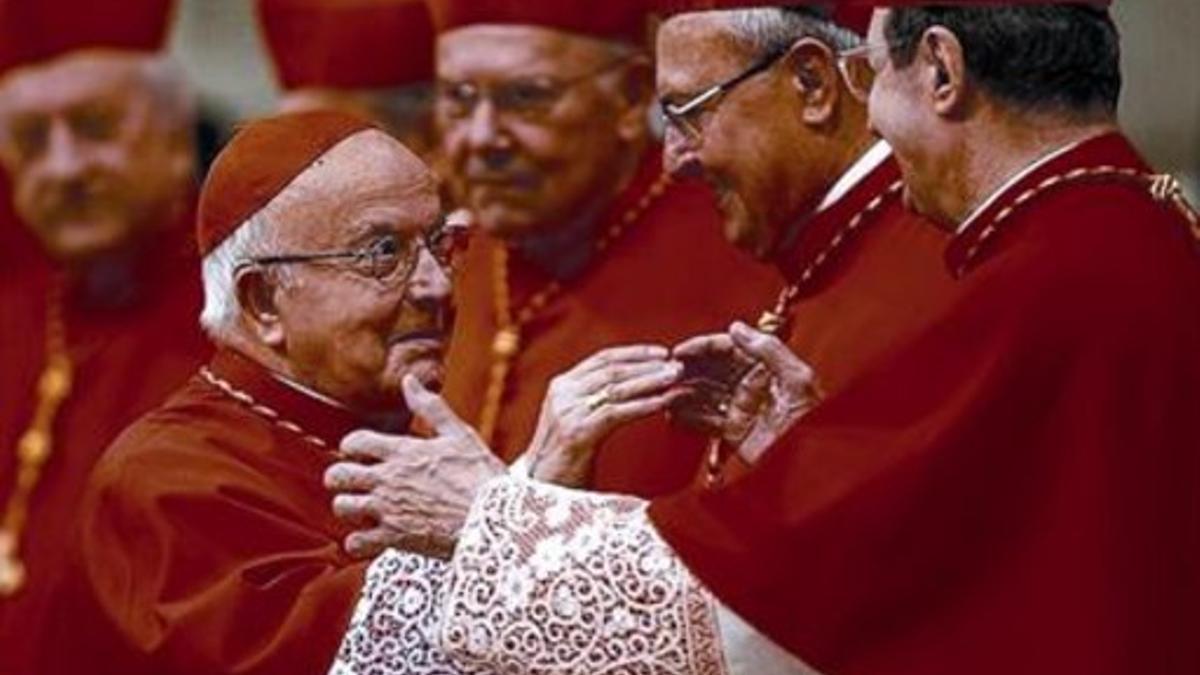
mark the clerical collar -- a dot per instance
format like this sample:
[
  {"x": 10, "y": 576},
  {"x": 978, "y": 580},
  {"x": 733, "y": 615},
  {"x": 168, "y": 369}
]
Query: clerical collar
[
  {"x": 1015, "y": 179},
  {"x": 312, "y": 416},
  {"x": 814, "y": 244},
  {"x": 862, "y": 167},
  {"x": 310, "y": 392},
  {"x": 392, "y": 423}
]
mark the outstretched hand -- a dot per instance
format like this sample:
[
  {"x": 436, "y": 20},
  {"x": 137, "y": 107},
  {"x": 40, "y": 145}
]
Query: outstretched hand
[
  {"x": 585, "y": 404},
  {"x": 745, "y": 386},
  {"x": 407, "y": 492}
]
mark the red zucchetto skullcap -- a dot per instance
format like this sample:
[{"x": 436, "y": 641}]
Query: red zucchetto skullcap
[
  {"x": 262, "y": 159},
  {"x": 619, "y": 20},
  {"x": 348, "y": 44},
  {"x": 38, "y": 30}
]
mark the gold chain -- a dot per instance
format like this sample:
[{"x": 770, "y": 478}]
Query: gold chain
[
  {"x": 35, "y": 445},
  {"x": 506, "y": 343}
]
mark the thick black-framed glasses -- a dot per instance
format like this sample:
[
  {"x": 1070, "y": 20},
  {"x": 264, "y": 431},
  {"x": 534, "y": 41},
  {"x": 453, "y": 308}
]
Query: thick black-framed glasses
[
  {"x": 684, "y": 115},
  {"x": 387, "y": 256},
  {"x": 530, "y": 98}
]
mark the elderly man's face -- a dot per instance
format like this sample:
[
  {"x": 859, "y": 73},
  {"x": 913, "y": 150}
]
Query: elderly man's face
[
  {"x": 91, "y": 162},
  {"x": 748, "y": 144},
  {"x": 534, "y": 123},
  {"x": 347, "y": 329}
]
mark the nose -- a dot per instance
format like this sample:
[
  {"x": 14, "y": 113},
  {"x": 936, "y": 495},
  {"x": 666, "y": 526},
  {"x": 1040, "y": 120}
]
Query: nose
[
  {"x": 483, "y": 126},
  {"x": 429, "y": 287},
  {"x": 679, "y": 154},
  {"x": 488, "y": 144},
  {"x": 63, "y": 158}
]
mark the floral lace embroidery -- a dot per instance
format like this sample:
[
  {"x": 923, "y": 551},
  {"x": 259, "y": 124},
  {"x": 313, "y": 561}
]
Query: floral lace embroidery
[
  {"x": 547, "y": 580},
  {"x": 394, "y": 627}
]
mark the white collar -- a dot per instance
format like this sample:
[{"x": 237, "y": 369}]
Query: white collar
[
  {"x": 1017, "y": 178},
  {"x": 309, "y": 392},
  {"x": 862, "y": 167}
]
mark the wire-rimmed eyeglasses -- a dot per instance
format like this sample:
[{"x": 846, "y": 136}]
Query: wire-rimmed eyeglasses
[
  {"x": 387, "y": 256},
  {"x": 684, "y": 116}
]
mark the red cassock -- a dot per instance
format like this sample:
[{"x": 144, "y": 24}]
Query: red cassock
[
  {"x": 128, "y": 350},
  {"x": 667, "y": 276},
  {"x": 208, "y": 544},
  {"x": 1013, "y": 489}
]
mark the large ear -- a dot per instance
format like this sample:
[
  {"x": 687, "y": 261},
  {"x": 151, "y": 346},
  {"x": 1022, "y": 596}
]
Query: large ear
[
  {"x": 944, "y": 62},
  {"x": 256, "y": 289},
  {"x": 637, "y": 92},
  {"x": 814, "y": 77}
]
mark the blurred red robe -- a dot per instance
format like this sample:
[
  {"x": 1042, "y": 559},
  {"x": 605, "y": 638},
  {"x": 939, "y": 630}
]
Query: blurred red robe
[
  {"x": 1014, "y": 488},
  {"x": 669, "y": 275},
  {"x": 128, "y": 353},
  {"x": 208, "y": 544}
]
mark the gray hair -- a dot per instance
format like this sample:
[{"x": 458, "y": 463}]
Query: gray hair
[
  {"x": 255, "y": 237},
  {"x": 764, "y": 30}
]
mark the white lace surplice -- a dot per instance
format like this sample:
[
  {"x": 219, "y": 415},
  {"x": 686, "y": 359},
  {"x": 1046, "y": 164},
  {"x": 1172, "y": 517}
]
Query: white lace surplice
[{"x": 548, "y": 580}]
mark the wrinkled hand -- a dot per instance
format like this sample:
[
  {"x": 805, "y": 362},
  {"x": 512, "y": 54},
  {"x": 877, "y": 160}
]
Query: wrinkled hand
[
  {"x": 744, "y": 386},
  {"x": 407, "y": 492},
  {"x": 584, "y": 405},
  {"x": 713, "y": 370}
]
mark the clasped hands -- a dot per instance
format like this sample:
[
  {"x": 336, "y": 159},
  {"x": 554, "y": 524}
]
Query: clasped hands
[{"x": 414, "y": 493}]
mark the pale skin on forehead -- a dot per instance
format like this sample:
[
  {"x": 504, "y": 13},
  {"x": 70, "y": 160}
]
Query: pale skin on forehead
[
  {"x": 523, "y": 50},
  {"x": 69, "y": 79},
  {"x": 681, "y": 38},
  {"x": 367, "y": 178}
]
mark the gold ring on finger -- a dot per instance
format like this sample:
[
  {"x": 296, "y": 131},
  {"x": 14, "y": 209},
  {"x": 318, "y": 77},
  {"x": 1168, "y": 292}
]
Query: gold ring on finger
[{"x": 598, "y": 399}]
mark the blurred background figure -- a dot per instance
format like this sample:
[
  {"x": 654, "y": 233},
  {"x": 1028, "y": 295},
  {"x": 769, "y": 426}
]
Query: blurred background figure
[
  {"x": 372, "y": 58},
  {"x": 96, "y": 142}
]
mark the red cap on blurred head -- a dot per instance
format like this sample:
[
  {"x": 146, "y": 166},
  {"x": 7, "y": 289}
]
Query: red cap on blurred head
[
  {"x": 620, "y": 20},
  {"x": 38, "y": 30},
  {"x": 262, "y": 159},
  {"x": 348, "y": 44}
]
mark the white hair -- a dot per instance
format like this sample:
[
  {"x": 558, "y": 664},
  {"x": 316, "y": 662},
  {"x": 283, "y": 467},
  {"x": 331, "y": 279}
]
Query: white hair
[
  {"x": 255, "y": 237},
  {"x": 771, "y": 29}
]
